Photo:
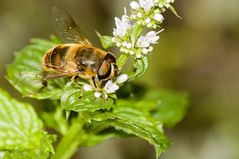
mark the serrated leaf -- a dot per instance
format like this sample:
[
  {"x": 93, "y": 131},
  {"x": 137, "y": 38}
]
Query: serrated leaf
[
  {"x": 142, "y": 117},
  {"x": 131, "y": 120},
  {"x": 25, "y": 73},
  {"x": 21, "y": 131},
  {"x": 73, "y": 99},
  {"x": 106, "y": 41}
]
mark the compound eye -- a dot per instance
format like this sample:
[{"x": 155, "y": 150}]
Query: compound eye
[{"x": 104, "y": 70}]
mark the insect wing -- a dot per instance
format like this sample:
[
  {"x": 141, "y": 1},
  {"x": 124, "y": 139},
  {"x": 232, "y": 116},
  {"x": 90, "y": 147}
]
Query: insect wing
[{"x": 67, "y": 29}]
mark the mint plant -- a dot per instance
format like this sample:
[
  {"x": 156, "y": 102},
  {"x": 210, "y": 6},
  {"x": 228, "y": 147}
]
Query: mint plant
[{"x": 81, "y": 115}]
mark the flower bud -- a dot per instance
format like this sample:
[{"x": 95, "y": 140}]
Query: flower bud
[
  {"x": 158, "y": 17},
  {"x": 97, "y": 94},
  {"x": 87, "y": 87},
  {"x": 144, "y": 51},
  {"x": 122, "y": 78},
  {"x": 134, "y": 5}
]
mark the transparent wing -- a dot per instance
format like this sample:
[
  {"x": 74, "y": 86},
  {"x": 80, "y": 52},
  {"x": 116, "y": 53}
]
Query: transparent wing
[{"x": 67, "y": 29}]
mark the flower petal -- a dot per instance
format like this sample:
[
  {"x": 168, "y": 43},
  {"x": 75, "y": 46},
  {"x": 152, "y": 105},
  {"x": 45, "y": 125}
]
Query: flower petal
[
  {"x": 122, "y": 78},
  {"x": 146, "y": 4},
  {"x": 142, "y": 42},
  {"x": 134, "y": 5},
  {"x": 97, "y": 94},
  {"x": 111, "y": 87},
  {"x": 87, "y": 87}
]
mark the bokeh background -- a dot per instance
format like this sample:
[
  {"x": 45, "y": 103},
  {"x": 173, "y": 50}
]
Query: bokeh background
[{"x": 198, "y": 54}]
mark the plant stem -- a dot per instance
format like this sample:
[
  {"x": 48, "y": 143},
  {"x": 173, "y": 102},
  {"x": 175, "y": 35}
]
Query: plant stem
[
  {"x": 70, "y": 142},
  {"x": 122, "y": 60}
]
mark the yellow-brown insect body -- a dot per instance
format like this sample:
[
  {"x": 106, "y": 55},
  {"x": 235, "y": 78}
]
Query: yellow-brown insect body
[
  {"x": 78, "y": 57},
  {"x": 86, "y": 62}
]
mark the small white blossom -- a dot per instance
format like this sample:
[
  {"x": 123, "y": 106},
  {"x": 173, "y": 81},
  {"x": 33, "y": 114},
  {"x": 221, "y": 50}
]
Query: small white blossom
[
  {"x": 141, "y": 42},
  {"x": 133, "y": 16},
  {"x": 118, "y": 44},
  {"x": 147, "y": 20},
  {"x": 167, "y": 5},
  {"x": 156, "y": 11},
  {"x": 139, "y": 15},
  {"x": 131, "y": 52},
  {"x": 160, "y": 5},
  {"x": 121, "y": 26},
  {"x": 144, "y": 51},
  {"x": 158, "y": 17},
  {"x": 97, "y": 94},
  {"x": 150, "y": 49},
  {"x": 128, "y": 45},
  {"x": 114, "y": 39},
  {"x": 124, "y": 44},
  {"x": 134, "y": 5},
  {"x": 122, "y": 49},
  {"x": 87, "y": 87},
  {"x": 152, "y": 37},
  {"x": 122, "y": 78},
  {"x": 145, "y": 41},
  {"x": 111, "y": 87},
  {"x": 146, "y": 4},
  {"x": 138, "y": 56},
  {"x": 149, "y": 25}
]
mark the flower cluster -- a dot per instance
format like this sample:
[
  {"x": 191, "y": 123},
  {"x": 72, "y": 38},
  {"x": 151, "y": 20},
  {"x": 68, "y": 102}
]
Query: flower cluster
[
  {"x": 109, "y": 88},
  {"x": 144, "y": 13},
  {"x": 148, "y": 12}
]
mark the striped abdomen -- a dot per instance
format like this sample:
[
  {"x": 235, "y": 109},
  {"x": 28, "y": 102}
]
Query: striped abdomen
[{"x": 54, "y": 58}]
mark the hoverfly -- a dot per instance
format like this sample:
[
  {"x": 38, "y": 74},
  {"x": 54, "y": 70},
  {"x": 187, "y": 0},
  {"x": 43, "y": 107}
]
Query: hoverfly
[{"x": 78, "y": 57}]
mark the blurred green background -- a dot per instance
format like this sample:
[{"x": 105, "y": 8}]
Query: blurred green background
[{"x": 198, "y": 54}]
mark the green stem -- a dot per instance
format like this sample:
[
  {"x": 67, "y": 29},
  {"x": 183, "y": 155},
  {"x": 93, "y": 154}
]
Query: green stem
[
  {"x": 122, "y": 60},
  {"x": 70, "y": 142}
]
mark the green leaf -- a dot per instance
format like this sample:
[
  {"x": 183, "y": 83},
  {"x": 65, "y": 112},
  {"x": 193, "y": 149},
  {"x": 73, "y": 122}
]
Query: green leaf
[
  {"x": 56, "y": 120},
  {"x": 174, "y": 11},
  {"x": 141, "y": 66},
  {"x": 131, "y": 120},
  {"x": 170, "y": 107},
  {"x": 141, "y": 116},
  {"x": 21, "y": 131},
  {"x": 26, "y": 73},
  {"x": 106, "y": 41},
  {"x": 73, "y": 99}
]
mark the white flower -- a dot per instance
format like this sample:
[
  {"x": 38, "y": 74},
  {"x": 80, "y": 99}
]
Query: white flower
[
  {"x": 87, "y": 87},
  {"x": 131, "y": 52},
  {"x": 147, "y": 20},
  {"x": 146, "y": 4},
  {"x": 141, "y": 42},
  {"x": 138, "y": 56},
  {"x": 139, "y": 15},
  {"x": 158, "y": 17},
  {"x": 128, "y": 45},
  {"x": 150, "y": 49},
  {"x": 121, "y": 26},
  {"x": 110, "y": 87},
  {"x": 97, "y": 94},
  {"x": 122, "y": 78},
  {"x": 145, "y": 41},
  {"x": 134, "y": 5},
  {"x": 145, "y": 51}
]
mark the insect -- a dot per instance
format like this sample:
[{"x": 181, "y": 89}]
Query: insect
[{"x": 77, "y": 58}]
